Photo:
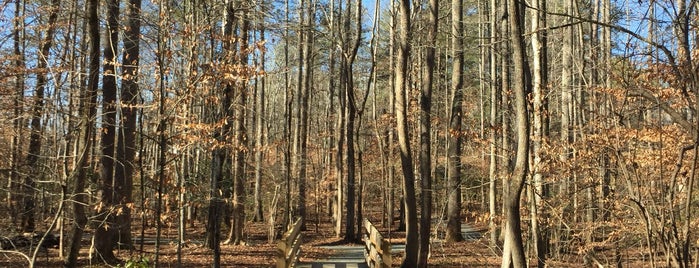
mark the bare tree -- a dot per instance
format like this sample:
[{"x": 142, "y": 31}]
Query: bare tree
[
  {"x": 410, "y": 202},
  {"x": 455, "y": 139},
  {"x": 106, "y": 227},
  {"x": 88, "y": 111},
  {"x": 425, "y": 131},
  {"x": 539, "y": 85},
  {"x": 126, "y": 148},
  {"x": 513, "y": 249}
]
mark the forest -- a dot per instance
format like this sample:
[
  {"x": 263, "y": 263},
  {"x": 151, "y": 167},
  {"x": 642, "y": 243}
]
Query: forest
[{"x": 156, "y": 133}]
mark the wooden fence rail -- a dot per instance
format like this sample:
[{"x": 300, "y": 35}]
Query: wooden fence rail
[
  {"x": 378, "y": 249},
  {"x": 289, "y": 247}
]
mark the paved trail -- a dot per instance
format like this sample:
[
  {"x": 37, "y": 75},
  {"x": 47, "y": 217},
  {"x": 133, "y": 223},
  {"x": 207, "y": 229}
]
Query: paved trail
[{"x": 353, "y": 256}]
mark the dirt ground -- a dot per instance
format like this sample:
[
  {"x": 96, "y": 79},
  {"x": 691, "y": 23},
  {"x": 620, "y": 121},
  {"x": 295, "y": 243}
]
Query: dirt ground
[{"x": 257, "y": 252}]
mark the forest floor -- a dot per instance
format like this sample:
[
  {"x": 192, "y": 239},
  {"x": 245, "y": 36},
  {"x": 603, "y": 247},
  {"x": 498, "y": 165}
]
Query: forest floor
[{"x": 258, "y": 251}]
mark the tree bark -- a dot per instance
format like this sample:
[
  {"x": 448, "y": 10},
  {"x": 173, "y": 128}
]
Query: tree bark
[
  {"x": 126, "y": 149},
  {"x": 540, "y": 81},
  {"x": 241, "y": 147},
  {"x": 349, "y": 53},
  {"x": 17, "y": 122},
  {"x": 494, "y": 122},
  {"x": 259, "y": 135},
  {"x": 513, "y": 249},
  {"x": 88, "y": 111},
  {"x": 410, "y": 202},
  {"x": 106, "y": 228},
  {"x": 425, "y": 131},
  {"x": 454, "y": 142}
]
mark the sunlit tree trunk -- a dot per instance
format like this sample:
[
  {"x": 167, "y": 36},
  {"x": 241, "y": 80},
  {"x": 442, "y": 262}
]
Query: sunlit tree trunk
[
  {"x": 288, "y": 115},
  {"x": 392, "y": 105},
  {"x": 241, "y": 140},
  {"x": 455, "y": 139},
  {"x": 513, "y": 248},
  {"x": 539, "y": 85},
  {"x": 410, "y": 202},
  {"x": 259, "y": 131},
  {"x": 494, "y": 121},
  {"x": 349, "y": 52}
]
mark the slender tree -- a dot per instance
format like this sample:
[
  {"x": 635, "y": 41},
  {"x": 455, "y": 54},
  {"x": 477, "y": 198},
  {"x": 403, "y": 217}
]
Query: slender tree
[
  {"x": 106, "y": 228},
  {"x": 88, "y": 111},
  {"x": 241, "y": 88},
  {"x": 17, "y": 122},
  {"x": 513, "y": 249},
  {"x": 495, "y": 98},
  {"x": 260, "y": 123},
  {"x": 539, "y": 82},
  {"x": 410, "y": 202},
  {"x": 455, "y": 139},
  {"x": 126, "y": 148},
  {"x": 425, "y": 131}
]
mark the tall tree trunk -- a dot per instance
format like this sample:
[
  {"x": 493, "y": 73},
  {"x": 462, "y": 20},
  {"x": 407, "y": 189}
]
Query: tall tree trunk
[
  {"x": 17, "y": 122},
  {"x": 31, "y": 162},
  {"x": 540, "y": 81},
  {"x": 454, "y": 142},
  {"x": 298, "y": 96},
  {"x": 259, "y": 134},
  {"x": 513, "y": 249},
  {"x": 349, "y": 55},
  {"x": 410, "y": 202},
  {"x": 392, "y": 105},
  {"x": 88, "y": 111},
  {"x": 304, "y": 107},
  {"x": 106, "y": 228},
  {"x": 288, "y": 114},
  {"x": 494, "y": 121},
  {"x": 126, "y": 149},
  {"x": 240, "y": 130},
  {"x": 425, "y": 131}
]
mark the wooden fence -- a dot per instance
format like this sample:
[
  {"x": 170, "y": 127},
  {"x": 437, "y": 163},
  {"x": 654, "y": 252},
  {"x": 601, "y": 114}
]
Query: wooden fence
[
  {"x": 289, "y": 247},
  {"x": 378, "y": 249}
]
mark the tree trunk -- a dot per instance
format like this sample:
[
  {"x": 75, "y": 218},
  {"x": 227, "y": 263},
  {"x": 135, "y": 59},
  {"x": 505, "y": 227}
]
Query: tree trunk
[
  {"x": 539, "y": 49},
  {"x": 307, "y": 50},
  {"x": 410, "y": 202},
  {"x": 126, "y": 150},
  {"x": 425, "y": 131},
  {"x": 259, "y": 136},
  {"x": 288, "y": 104},
  {"x": 17, "y": 122},
  {"x": 347, "y": 80},
  {"x": 454, "y": 142},
  {"x": 513, "y": 249},
  {"x": 392, "y": 105},
  {"x": 241, "y": 147},
  {"x": 105, "y": 230},
  {"x": 88, "y": 110},
  {"x": 494, "y": 121}
]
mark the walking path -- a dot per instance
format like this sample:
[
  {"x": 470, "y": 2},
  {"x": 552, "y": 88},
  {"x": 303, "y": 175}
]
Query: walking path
[{"x": 353, "y": 256}]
